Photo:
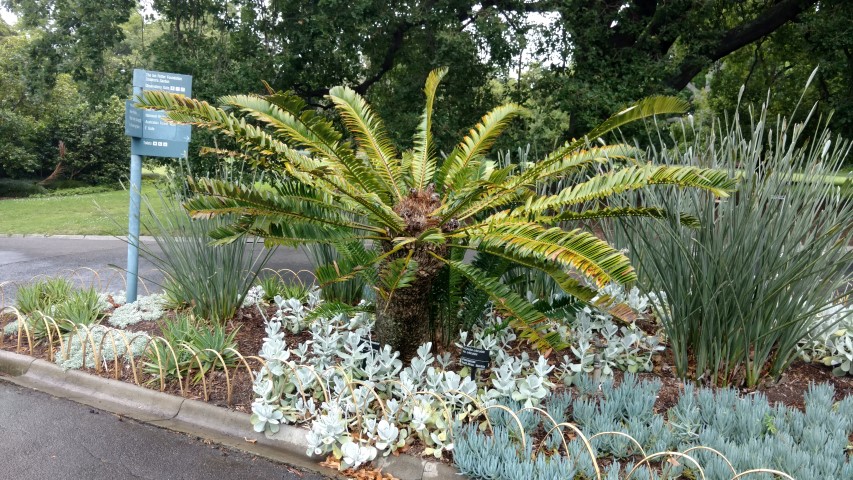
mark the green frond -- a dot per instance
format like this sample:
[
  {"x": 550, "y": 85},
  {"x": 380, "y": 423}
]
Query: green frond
[
  {"x": 276, "y": 231},
  {"x": 285, "y": 114},
  {"x": 255, "y": 142},
  {"x": 215, "y": 197},
  {"x": 478, "y": 141},
  {"x": 398, "y": 273},
  {"x": 632, "y": 178},
  {"x": 423, "y": 161},
  {"x": 362, "y": 260},
  {"x": 332, "y": 309},
  {"x": 370, "y": 135},
  {"x": 613, "y": 212},
  {"x": 647, "y": 107},
  {"x": 570, "y": 285},
  {"x": 562, "y": 163},
  {"x": 576, "y": 249},
  {"x": 526, "y": 319}
]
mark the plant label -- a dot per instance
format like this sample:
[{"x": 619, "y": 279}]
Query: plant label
[{"x": 475, "y": 357}]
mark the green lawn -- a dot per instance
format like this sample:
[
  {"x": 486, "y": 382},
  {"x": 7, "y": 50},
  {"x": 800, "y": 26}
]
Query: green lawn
[{"x": 93, "y": 214}]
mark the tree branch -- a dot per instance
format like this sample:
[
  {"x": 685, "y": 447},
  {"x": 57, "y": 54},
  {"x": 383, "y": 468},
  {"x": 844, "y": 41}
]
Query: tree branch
[
  {"x": 744, "y": 34},
  {"x": 387, "y": 64}
]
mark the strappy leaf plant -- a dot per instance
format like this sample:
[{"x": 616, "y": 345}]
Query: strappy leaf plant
[{"x": 404, "y": 219}]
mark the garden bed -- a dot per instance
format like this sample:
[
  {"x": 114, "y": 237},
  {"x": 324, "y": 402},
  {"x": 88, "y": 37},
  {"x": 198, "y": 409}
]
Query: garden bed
[
  {"x": 333, "y": 351},
  {"x": 789, "y": 390}
]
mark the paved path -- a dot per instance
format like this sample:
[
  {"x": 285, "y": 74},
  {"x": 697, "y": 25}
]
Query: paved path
[
  {"x": 23, "y": 258},
  {"x": 44, "y": 437}
]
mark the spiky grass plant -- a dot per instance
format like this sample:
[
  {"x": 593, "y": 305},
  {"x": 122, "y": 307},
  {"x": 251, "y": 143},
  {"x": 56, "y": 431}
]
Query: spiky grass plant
[
  {"x": 211, "y": 280},
  {"x": 421, "y": 212},
  {"x": 42, "y": 294},
  {"x": 743, "y": 289}
]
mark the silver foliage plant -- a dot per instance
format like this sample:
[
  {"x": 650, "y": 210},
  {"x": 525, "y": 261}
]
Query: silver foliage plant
[
  {"x": 361, "y": 403},
  {"x": 755, "y": 280}
]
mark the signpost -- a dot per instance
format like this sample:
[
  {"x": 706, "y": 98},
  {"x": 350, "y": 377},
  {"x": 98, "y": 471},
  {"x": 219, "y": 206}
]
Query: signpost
[{"x": 151, "y": 136}]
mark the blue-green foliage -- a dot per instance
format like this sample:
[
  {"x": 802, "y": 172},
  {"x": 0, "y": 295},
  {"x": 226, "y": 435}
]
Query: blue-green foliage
[{"x": 746, "y": 429}]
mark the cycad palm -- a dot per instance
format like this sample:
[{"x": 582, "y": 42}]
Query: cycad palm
[{"x": 421, "y": 213}]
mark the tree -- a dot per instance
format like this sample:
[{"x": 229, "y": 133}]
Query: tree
[
  {"x": 75, "y": 37},
  {"x": 420, "y": 213},
  {"x": 783, "y": 63}
]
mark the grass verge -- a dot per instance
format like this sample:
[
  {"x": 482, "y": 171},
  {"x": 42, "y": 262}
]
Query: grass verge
[{"x": 92, "y": 214}]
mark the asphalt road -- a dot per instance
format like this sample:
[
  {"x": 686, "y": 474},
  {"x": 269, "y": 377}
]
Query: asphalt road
[
  {"x": 46, "y": 437},
  {"x": 24, "y": 258}
]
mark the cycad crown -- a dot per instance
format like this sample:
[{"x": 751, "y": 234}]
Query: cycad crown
[{"x": 419, "y": 213}]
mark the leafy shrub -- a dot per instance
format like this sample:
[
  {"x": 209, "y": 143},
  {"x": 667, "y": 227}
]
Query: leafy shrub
[
  {"x": 211, "y": 280},
  {"x": 743, "y": 290},
  {"x": 88, "y": 190},
  {"x": 19, "y": 188},
  {"x": 194, "y": 347},
  {"x": 65, "y": 184}
]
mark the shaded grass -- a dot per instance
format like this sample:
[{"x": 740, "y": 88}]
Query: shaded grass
[{"x": 92, "y": 214}]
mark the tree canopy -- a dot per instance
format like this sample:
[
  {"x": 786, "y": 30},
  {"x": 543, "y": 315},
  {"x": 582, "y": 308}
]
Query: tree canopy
[{"x": 571, "y": 62}]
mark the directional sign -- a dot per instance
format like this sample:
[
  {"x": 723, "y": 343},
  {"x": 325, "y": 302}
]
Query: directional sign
[
  {"x": 133, "y": 120},
  {"x": 167, "y": 82},
  {"x": 152, "y": 124},
  {"x": 147, "y": 147}
]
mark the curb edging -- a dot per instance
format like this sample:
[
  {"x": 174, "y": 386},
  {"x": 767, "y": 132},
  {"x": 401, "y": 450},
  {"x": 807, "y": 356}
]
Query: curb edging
[{"x": 193, "y": 417}]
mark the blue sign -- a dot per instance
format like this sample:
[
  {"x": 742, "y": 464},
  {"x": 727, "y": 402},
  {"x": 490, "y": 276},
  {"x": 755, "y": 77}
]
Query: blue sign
[
  {"x": 152, "y": 124},
  {"x": 148, "y": 147},
  {"x": 133, "y": 120},
  {"x": 162, "y": 81}
]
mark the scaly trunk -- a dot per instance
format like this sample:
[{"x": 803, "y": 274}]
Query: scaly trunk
[{"x": 403, "y": 322}]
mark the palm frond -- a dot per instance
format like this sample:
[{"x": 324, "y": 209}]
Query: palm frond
[
  {"x": 478, "y": 141},
  {"x": 255, "y": 142},
  {"x": 527, "y": 320},
  {"x": 563, "y": 163},
  {"x": 370, "y": 134},
  {"x": 331, "y": 309},
  {"x": 216, "y": 197},
  {"x": 575, "y": 248},
  {"x": 632, "y": 178},
  {"x": 615, "y": 212},
  {"x": 647, "y": 107},
  {"x": 287, "y": 115},
  {"x": 423, "y": 161},
  {"x": 569, "y": 284},
  {"x": 281, "y": 231},
  {"x": 398, "y": 273}
]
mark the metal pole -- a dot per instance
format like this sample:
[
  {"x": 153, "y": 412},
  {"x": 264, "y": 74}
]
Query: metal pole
[{"x": 133, "y": 220}]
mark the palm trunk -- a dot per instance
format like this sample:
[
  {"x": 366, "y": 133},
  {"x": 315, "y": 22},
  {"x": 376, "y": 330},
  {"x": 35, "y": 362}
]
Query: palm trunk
[{"x": 403, "y": 321}]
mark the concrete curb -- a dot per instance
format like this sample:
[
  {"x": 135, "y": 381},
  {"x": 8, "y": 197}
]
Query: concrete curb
[{"x": 193, "y": 417}]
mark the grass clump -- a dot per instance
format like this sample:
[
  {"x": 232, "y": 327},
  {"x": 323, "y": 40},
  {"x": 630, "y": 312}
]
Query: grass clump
[
  {"x": 196, "y": 346},
  {"x": 42, "y": 294},
  {"x": 274, "y": 286}
]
